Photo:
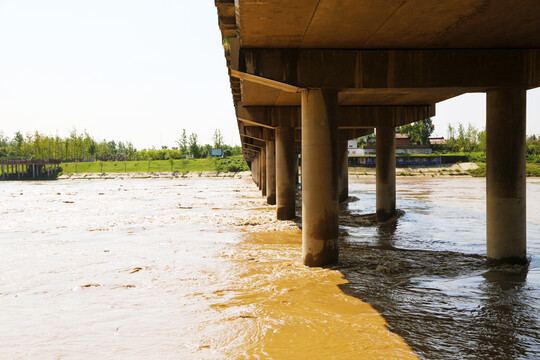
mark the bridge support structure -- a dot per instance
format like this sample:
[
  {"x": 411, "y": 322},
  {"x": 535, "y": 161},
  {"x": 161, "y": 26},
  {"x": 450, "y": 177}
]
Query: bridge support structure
[
  {"x": 506, "y": 175},
  {"x": 343, "y": 166},
  {"x": 320, "y": 202},
  {"x": 271, "y": 172},
  {"x": 385, "y": 171},
  {"x": 285, "y": 170}
]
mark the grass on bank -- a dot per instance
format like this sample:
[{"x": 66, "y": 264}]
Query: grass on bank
[
  {"x": 533, "y": 170},
  {"x": 229, "y": 164}
]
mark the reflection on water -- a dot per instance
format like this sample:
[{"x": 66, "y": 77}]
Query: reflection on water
[
  {"x": 427, "y": 275},
  {"x": 199, "y": 268}
]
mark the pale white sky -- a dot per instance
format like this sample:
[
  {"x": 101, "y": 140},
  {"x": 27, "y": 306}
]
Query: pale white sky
[{"x": 137, "y": 70}]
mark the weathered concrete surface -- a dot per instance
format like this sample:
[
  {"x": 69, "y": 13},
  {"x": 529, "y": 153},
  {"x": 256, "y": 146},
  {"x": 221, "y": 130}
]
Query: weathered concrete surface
[
  {"x": 320, "y": 206},
  {"x": 343, "y": 169},
  {"x": 506, "y": 174},
  {"x": 263, "y": 171},
  {"x": 382, "y": 53},
  {"x": 285, "y": 171},
  {"x": 271, "y": 172},
  {"x": 389, "y": 24},
  {"x": 386, "y": 172}
]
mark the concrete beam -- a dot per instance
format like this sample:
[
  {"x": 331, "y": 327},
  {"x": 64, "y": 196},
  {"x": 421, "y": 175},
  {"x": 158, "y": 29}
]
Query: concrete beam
[
  {"x": 349, "y": 117},
  {"x": 465, "y": 70}
]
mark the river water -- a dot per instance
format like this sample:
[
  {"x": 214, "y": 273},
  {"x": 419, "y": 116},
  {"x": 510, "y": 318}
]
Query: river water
[{"x": 199, "y": 268}]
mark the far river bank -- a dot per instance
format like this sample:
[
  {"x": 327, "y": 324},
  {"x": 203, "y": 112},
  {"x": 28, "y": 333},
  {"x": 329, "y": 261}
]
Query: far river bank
[{"x": 459, "y": 169}]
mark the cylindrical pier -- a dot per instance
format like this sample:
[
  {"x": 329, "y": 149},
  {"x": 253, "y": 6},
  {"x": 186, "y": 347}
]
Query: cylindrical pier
[
  {"x": 270, "y": 172},
  {"x": 320, "y": 206},
  {"x": 506, "y": 175},
  {"x": 285, "y": 176},
  {"x": 263, "y": 171},
  {"x": 343, "y": 168},
  {"x": 385, "y": 172}
]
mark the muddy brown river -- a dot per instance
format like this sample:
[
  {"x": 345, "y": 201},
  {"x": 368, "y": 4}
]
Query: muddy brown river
[{"x": 200, "y": 269}]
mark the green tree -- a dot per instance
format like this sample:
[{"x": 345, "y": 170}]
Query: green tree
[
  {"x": 218, "y": 139},
  {"x": 366, "y": 140},
  {"x": 482, "y": 140},
  {"x": 92, "y": 150},
  {"x": 183, "y": 142},
  {"x": 451, "y": 138},
  {"x": 18, "y": 141},
  {"x": 193, "y": 146},
  {"x": 419, "y": 132}
]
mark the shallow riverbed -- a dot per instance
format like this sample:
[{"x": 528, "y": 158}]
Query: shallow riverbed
[{"x": 199, "y": 268}]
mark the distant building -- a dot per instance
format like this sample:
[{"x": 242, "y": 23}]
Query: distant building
[
  {"x": 403, "y": 146},
  {"x": 437, "y": 141}
]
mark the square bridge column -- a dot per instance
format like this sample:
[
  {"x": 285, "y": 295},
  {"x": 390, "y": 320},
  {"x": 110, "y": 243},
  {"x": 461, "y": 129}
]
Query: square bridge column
[
  {"x": 320, "y": 206},
  {"x": 506, "y": 175}
]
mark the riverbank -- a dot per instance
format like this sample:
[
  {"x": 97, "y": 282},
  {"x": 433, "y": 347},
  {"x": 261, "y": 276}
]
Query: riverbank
[
  {"x": 153, "y": 175},
  {"x": 216, "y": 164},
  {"x": 458, "y": 169}
]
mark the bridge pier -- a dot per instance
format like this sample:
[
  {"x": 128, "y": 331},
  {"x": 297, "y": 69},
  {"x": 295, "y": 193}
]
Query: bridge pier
[
  {"x": 271, "y": 172},
  {"x": 263, "y": 170},
  {"x": 320, "y": 204},
  {"x": 506, "y": 175},
  {"x": 343, "y": 168},
  {"x": 385, "y": 172},
  {"x": 285, "y": 176},
  {"x": 255, "y": 170}
]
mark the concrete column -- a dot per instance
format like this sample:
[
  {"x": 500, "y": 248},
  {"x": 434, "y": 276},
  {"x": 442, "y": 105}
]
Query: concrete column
[
  {"x": 506, "y": 175},
  {"x": 343, "y": 169},
  {"x": 18, "y": 172},
  {"x": 386, "y": 172},
  {"x": 259, "y": 170},
  {"x": 296, "y": 170},
  {"x": 3, "y": 173},
  {"x": 263, "y": 171},
  {"x": 285, "y": 157},
  {"x": 254, "y": 170},
  {"x": 320, "y": 206},
  {"x": 270, "y": 172}
]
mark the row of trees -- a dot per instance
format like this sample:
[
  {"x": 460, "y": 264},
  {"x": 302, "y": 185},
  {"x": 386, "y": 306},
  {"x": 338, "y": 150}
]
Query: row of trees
[
  {"x": 460, "y": 138},
  {"x": 471, "y": 139},
  {"x": 419, "y": 133},
  {"x": 82, "y": 147}
]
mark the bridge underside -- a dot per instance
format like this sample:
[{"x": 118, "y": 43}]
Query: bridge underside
[{"x": 307, "y": 75}]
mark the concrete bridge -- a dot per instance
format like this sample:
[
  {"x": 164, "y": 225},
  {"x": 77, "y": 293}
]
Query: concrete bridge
[{"x": 307, "y": 75}]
